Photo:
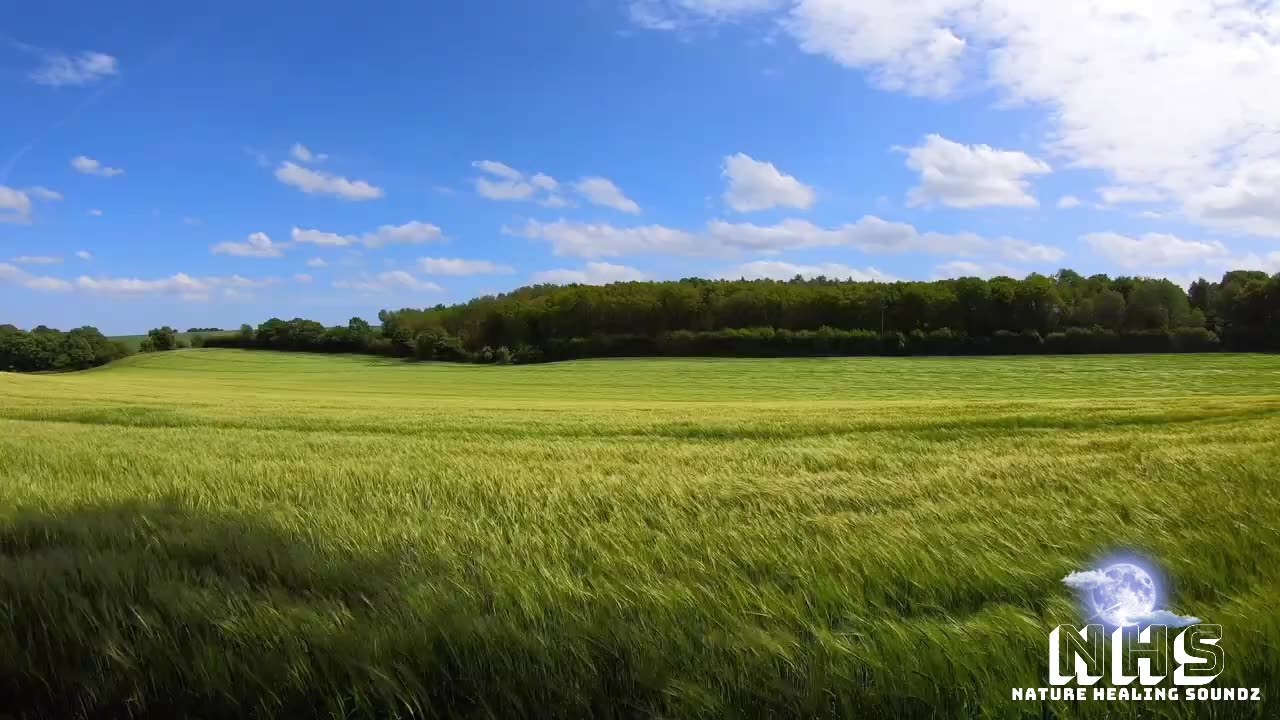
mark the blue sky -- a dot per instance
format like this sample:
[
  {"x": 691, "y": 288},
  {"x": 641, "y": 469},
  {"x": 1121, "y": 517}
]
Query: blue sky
[{"x": 160, "y": 165}]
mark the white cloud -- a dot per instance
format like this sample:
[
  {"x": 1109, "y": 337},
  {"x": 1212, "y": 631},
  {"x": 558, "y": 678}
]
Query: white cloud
[
  {"x": 1066, "y": 202},
  {"x": 602, "y": 191},
  {"x": 85, "y": 68},
  {"x": 679, "y": 14},
  {"x": 595, "y": 273},
  {"x": 181, "y": 285},
  {"x": 506, "y": 182},
  {"x": 317, "y": 262},
  {"x": 303, "y": 278},
  {"x": 257, "y": 245},
  {"x": 410, "y": 233},
  {"x": 504, "y": 189},
  {"x": 386, "y": 281},
  {"x": 498, "y": 169},
  {"x": 1122, "y": 194},
  {"x": 15, "y": 206},
  {"x": 318, "y": 182},
  {"x": 84, "y": 255},
  {"x": 43, "y": 193},
  {"x": 319, "y": 237},
  {"x": 1023, "y": 251},
  {"x": 303, "y": 154},
  {"x": 967, "y": 268},
  {"x": 413, "y": 232},
  {"x": 95, "y": 212},
  {"x": 17, "y": 276},
  {"x": 870, "y": 234},
  {"x": 756, "y": 185},
  {"x": 35, "y": 260},
  {"x": 460, "y": 266},
  {"x": 544, "y": 182},
  {"x": 191, "y": 221},
  {"x": 89, "y": 166},
  {"x": 778, "y": 270},
  {"x": 1086, "y": 579},
  {"x": 600, "y": 240},
  {"x": 1249, "y": 201},
  {"x": 969, "y": 176},
  {"x": 1176, "y": 96},
  {"x": 1153, "y": 250}
]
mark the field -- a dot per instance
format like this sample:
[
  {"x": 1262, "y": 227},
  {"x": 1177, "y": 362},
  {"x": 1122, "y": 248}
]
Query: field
[
  {"x": 226, "y": 533},
  {"x": 135, "y": 341}
]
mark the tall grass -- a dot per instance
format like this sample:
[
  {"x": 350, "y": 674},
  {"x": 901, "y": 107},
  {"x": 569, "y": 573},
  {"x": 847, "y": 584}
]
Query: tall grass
[{"x": 221, "y": 533}]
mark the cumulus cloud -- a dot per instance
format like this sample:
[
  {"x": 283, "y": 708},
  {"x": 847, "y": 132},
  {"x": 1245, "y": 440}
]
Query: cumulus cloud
[
  {"x": 1066, "y": 202},
  {"x": 410, "y": 233},
  {"x": 756, "y": 185},
  {"x": 85, "y": 68},
  {"x": 302, "y": 278},
  {"x": 14, "y": 275},
  {"x": 84, "y": 255},
  {"x": 594, "y": 273},
  {"x": 970, "y": 176},
  {"x": 601, "y": 191},
  {"x": 460, "y": 266},
  {"x": 1172, "y": 96},
  {"x": 320, "y": 237},
  {"x": 387, "y": 281},
  {"x": 322, "y": 183},
  {"x": 303, "y": 154},
  {"x": 317, "y": 262},
  {"x": 504, "y": 182},
  {"x": 413, "y": 232},
  {"x": 1153, "y": 250},
  {"x": 500, "y": 181},
  {"x": 779, "y": 270},
  {"x": 258, "y": 245},
  {"x": 96, "y": 212},
  {"x": 89, "y": 166}
]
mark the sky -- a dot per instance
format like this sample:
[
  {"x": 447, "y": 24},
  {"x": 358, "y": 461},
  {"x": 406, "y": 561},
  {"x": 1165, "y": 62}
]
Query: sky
[{"x": 209, "y": 167}]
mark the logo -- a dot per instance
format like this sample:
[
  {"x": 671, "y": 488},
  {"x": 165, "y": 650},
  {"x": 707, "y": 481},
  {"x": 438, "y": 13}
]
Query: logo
[{"x": 1142, "y": 651}]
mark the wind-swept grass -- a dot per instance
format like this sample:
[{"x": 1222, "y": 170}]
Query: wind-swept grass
[{"x": 224, "y": 533}]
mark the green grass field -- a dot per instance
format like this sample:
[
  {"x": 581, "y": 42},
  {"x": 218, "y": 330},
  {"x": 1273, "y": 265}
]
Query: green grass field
[
  {"x": 224, "y": 533},
  {"x": 133, "y": 342}
]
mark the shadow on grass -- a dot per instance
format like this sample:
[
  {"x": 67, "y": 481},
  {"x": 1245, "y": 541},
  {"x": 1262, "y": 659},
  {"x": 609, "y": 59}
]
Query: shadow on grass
[{"x": 161, "y": 611}]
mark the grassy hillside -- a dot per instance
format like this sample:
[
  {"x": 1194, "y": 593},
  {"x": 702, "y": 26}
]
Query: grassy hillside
[
  {"x": 135, "y": 341},
  {"x": 229, "y": 533}
]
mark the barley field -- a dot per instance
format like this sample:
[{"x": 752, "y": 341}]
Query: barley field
[{"x": 220, "y": 533}]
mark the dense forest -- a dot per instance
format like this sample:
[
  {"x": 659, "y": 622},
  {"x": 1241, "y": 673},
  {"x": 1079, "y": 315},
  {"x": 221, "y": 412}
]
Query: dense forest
[{"x": 1062, "y": 313}]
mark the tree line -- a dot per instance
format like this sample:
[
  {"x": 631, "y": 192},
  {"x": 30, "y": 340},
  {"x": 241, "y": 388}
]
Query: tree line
[
  {"x": 1062, "y": 313},
  {"x": 45, "y": 349}
]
